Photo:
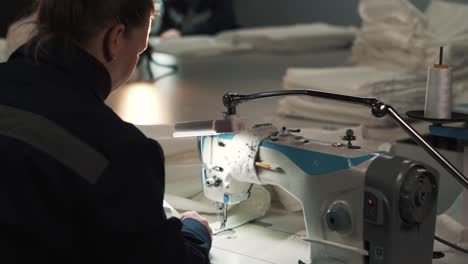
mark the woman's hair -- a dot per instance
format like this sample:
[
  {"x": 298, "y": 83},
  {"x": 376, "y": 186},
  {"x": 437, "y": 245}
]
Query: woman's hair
[{"x": 80, "y": 20}]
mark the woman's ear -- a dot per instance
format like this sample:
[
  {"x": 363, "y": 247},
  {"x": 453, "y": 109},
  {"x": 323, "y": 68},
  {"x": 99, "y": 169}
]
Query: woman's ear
[{"x": 113, "y": 41}]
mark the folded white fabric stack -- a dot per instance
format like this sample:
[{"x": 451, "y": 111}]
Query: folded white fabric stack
[
  {"x": 293, "y": 38},
  {"x": 448, "y": 22},
  {"x": 391, "y": 53},
  {"x": 194, "y": 46},
  {"x": 403, "y": 91},
  {"x": 397, "y": 36},
  {"x": 3, "y": 50}
]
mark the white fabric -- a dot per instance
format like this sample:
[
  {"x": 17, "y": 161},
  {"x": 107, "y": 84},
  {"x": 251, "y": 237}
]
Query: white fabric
[
  {"x": 397, "y": 11},
  {"x": 254, "y": 207},
  {"x": 242, "y": 154},
  {"x": 183, "y": 183},
  {"x": 392, "y": 52},
  {"x": 455, "y": 211},
  {"x": 450, "y": 230},
  {"x": 198, "y": 203},
  {"x": 170, "y": 210},
  {"x": 403, "y": 91},
  {"x": 447, "y": 18},
  {"x": 393, "y": 36},
  {"x": 405, "y": 39},
  {"x": 330, "y": 112},
  {"x": 293, "y": 38},
  {"x": 294, "y": 245},
  {"x": 194, "y": 46}
]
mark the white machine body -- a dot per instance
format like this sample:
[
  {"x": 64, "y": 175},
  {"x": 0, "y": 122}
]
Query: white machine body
[{"x": 328, "y": 179}]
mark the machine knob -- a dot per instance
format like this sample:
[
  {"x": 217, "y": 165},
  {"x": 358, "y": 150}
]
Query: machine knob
[
  {"x": 338, "y": 218},
  {"x": 350, "y": 137},
  {"x": 213, "y": 182},
  {"x": 418, "y": 196}
]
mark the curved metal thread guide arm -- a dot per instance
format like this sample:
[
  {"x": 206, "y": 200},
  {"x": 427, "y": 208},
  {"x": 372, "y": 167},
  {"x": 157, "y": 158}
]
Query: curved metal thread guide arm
[{"x": 378, "y": 109}]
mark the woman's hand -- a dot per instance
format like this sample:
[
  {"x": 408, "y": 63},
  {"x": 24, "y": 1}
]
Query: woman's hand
[{"x": 196, "y": 216}]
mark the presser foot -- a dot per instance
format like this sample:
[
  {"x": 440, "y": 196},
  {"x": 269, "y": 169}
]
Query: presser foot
[
  {"x": 224, "y": 213},
  {"x": 223, "y": 225}
]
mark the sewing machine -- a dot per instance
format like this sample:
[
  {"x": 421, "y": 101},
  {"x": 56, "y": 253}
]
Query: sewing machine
[{"x": 360, "y": 206}]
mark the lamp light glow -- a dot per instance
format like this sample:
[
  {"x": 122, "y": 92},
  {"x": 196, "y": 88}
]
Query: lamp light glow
[{"x": 231, "y": 124}]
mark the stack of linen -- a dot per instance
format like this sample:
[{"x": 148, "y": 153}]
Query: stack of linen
[
  {"x": 293, "y": 38},
  {"x": 406, "y": 39},
  {"x": 391, "y": 54},
  {"x": 401, "y": 90},
  {"x": 285, "y": 39},
  {"x": 448, "y": 22},
  {"x": 194, "y": 46},
  {"x": 394, "y": 36}
]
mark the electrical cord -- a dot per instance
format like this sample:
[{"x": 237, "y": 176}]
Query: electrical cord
[{"x": 447, "y": 243}]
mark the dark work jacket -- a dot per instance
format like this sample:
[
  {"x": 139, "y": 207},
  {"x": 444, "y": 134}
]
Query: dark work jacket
[
  {"x": 192, "y": 17},
  {"x": 78, "y": 184}
]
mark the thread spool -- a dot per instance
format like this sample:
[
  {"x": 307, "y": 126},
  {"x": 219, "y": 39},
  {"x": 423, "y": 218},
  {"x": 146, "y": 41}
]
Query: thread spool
[{"x": 438, "y": 103}]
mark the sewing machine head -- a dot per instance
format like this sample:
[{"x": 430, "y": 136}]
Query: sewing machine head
[{"x": 352, "y": 198}]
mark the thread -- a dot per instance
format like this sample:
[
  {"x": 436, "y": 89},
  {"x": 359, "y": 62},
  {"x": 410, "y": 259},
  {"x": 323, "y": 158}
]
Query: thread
[{"x": 438, "y": 103}]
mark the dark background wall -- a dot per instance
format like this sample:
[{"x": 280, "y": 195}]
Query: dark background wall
[
  {"x": 252, "y": 12},
  {"x": 280, "y": 12}
]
